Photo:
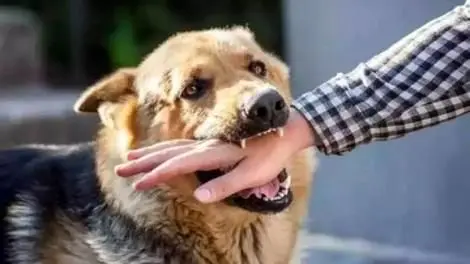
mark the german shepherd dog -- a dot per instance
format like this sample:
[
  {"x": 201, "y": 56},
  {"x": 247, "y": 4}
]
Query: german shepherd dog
[{"x": 64, "y": 204}]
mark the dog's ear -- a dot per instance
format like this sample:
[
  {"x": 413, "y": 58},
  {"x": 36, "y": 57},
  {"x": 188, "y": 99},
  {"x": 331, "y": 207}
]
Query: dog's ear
[{"x": 107, "y": 95}]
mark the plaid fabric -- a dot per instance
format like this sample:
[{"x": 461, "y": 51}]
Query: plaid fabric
[{"x": 420, "y": 81}]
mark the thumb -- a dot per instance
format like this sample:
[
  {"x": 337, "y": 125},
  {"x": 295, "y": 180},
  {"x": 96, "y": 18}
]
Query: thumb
[{"x": 244, "y": 176}]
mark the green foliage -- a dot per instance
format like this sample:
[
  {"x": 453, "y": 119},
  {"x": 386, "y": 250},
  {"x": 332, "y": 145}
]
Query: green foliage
[
  {"x": 119, "y": 32},
  {"x": 154, "y": 21},
  {"x": 122, "y": 45}
]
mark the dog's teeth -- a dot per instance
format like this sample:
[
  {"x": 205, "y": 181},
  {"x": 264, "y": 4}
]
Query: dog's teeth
[
  {"x": 284, "y": 192},
  {"x": 243, "y": 143},
  {"x": 280, "y": 131},
  {"x": 286, "y": 183}
]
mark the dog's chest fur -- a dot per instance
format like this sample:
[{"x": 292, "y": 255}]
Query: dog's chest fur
[
  {"x": 55, "y": 213},
  {"x": 67, "y": 243},
  {"x": 70, "y": 243}
]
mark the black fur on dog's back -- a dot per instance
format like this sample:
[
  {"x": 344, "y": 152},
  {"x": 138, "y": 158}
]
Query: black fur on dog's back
[
  {"x": 51, "y": 179},
  {"x": 47, "y": 178}
]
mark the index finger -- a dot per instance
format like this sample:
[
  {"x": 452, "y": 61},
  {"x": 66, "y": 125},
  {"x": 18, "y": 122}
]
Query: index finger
[
  {"x": 137, "y": 153},
  {"x": 190, "y": 162}
]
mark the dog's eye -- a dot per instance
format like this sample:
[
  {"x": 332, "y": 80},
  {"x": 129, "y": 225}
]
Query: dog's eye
[
  {"x": 258, "y": 68},
  {"x": 196, "y": 88}
]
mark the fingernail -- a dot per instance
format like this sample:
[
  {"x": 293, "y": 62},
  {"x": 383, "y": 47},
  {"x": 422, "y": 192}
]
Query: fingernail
[
  {"x": 203, "y": 195},
  {"x": 138, "y": 186},
  {"x": 118, "y": 169},
  {"x": 132, "y": 155},
  {"x": 122, "y": 170}
]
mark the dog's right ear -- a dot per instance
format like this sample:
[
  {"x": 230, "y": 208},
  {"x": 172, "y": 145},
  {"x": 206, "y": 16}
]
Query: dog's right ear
[{"x": 105, "y": 96}]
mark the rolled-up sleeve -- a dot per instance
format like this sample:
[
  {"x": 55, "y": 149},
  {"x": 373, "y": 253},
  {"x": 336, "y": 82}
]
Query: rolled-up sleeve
[{"x": 420, "y": 81}]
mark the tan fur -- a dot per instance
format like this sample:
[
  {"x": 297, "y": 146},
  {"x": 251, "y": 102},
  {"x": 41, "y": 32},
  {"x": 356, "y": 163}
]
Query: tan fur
[
  {"x": 67, "y": 243},
  {"x": 140, "y": 107}
]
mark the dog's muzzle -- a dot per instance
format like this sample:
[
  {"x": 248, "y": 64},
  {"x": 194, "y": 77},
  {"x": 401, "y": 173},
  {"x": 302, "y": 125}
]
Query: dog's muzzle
[{"x": 264, "y": 113}]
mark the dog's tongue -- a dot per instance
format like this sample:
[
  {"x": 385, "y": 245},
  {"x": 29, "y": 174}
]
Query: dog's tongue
[{"x": 269, "y": 189}]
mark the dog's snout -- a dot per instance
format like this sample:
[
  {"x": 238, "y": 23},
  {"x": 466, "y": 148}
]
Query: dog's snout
[{"x": 267, "y": 108}]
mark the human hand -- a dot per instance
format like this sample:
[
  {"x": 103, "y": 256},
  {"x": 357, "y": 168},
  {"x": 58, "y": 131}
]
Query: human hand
[{"x": 260, "y": 162}]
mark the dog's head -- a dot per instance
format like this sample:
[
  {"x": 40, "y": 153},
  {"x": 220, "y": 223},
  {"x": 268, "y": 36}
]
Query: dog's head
[{"x": 208, "y": 84}]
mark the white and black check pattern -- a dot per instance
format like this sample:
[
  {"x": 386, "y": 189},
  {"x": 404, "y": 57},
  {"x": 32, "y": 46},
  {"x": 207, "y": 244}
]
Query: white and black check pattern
[{"x": 420, "y": 81}]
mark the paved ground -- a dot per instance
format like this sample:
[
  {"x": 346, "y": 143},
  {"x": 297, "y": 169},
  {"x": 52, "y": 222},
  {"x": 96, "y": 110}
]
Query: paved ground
[
  {"x": 35, "y": 102},
  {"x": 42, "y": 115},
  {"x": 324, "y": 249}
]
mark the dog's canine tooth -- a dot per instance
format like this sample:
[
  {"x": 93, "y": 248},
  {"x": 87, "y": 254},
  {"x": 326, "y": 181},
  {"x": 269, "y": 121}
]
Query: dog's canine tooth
[
  {"x": 280, "y": 131},
  {"x": 286, "y": 183},
  {"x": 243, "y": 143},
  {"x": 284, "y": 192}
]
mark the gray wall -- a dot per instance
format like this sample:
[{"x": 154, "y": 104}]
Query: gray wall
[{"x": 410, "y": 192}]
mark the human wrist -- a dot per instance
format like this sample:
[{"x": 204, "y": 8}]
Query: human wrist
[{"x": 299, "y": 133}]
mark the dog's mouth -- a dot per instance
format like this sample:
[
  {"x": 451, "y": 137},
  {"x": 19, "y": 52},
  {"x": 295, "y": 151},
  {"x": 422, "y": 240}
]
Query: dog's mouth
[
  {"x": 279, "y": 131},
  {"x": 272, "y": 197}
]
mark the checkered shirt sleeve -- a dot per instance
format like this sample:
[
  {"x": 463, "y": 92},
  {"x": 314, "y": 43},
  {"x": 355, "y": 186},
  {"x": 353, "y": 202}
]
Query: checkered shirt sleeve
[{"x": 420, "y": 81}]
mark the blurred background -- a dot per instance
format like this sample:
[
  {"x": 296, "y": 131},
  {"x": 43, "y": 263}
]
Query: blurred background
[{"x": 402, "y": 201}]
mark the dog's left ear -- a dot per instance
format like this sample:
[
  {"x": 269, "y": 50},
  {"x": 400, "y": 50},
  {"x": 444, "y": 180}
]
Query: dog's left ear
[{"x": 107, "y": 96}]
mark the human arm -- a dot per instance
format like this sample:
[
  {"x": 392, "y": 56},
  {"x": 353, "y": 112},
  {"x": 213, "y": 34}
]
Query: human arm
[{"x": 420, "y": 81}]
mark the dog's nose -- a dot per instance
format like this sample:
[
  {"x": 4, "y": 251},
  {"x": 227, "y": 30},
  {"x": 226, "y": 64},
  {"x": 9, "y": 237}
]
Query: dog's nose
[{"x": 267, "y": 108}]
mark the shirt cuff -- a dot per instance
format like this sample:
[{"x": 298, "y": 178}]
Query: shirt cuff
[{"x": 334, "y": 116}]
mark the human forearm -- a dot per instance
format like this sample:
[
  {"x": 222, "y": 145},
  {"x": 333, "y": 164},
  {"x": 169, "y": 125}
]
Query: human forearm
[{"x": 420, "y": 81}]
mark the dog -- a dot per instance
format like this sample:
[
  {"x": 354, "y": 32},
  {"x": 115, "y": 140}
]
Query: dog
[{"x": 64, "y": 204}]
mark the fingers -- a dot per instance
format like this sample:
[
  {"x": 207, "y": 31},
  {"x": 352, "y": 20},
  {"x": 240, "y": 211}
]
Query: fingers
[
  {"x": 247, "y": 174},
  {"x": 146, "y": 162},
  {"x": 222, "y": 187},
  {"x": 202, "y": 158},
  {"x": 137, "y": 153}
]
